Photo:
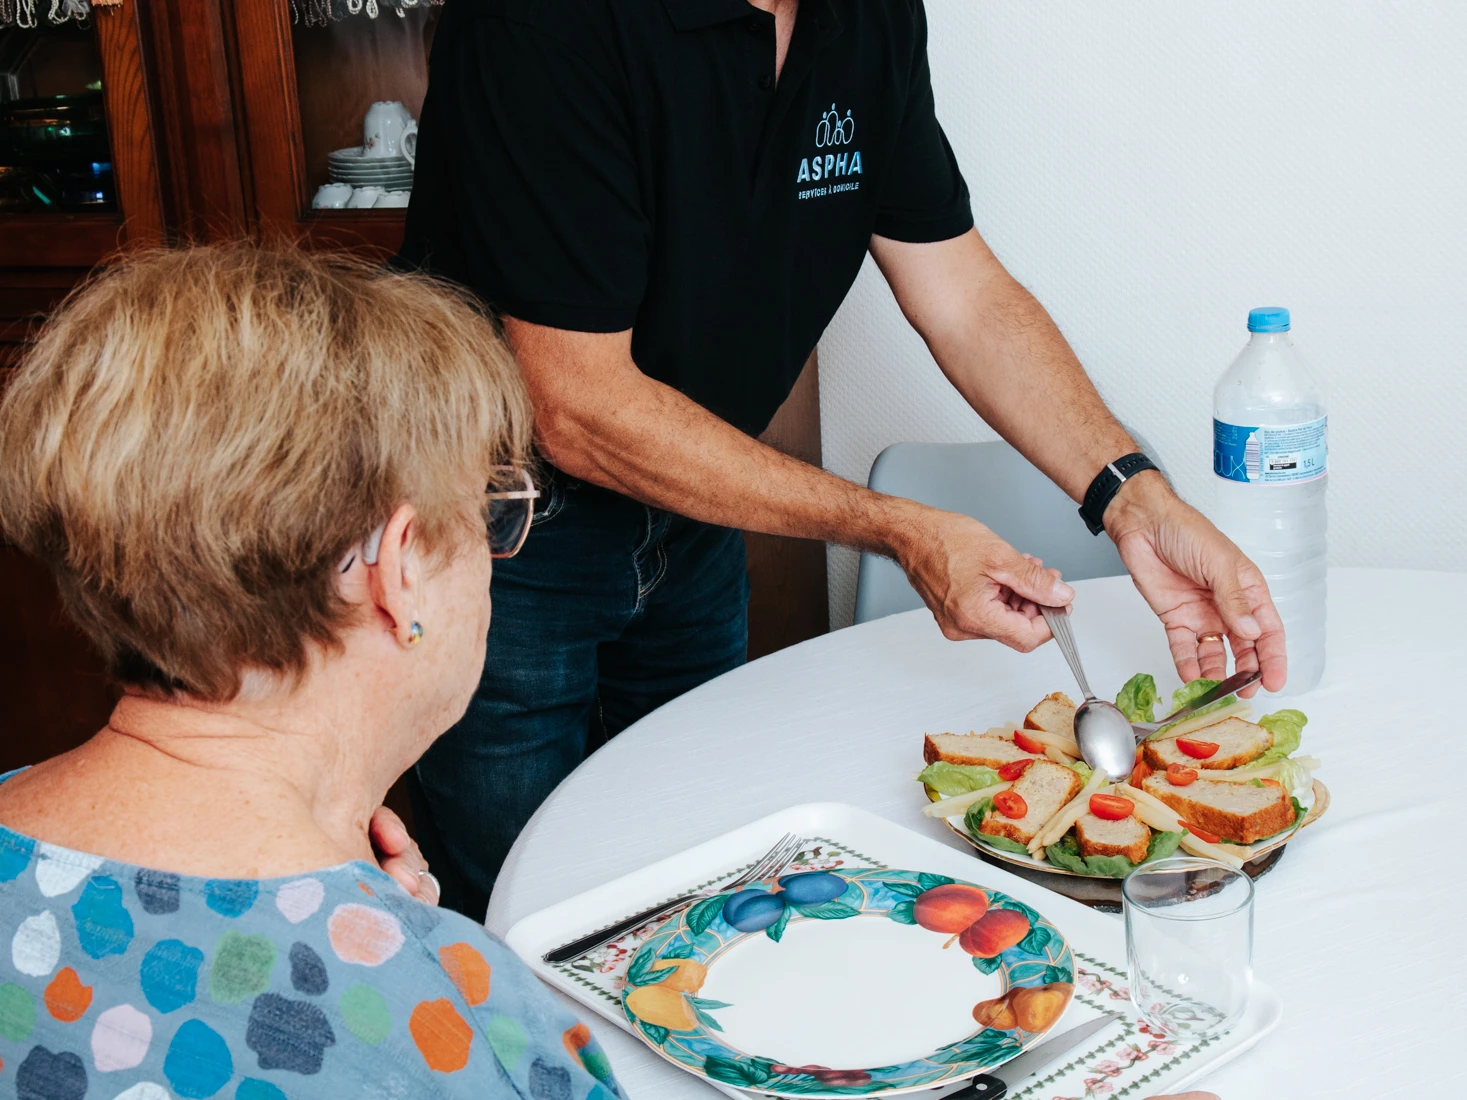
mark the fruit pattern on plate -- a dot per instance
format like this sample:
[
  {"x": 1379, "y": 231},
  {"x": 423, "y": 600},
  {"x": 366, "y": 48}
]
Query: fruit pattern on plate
[{"x": 999, "y": 934}]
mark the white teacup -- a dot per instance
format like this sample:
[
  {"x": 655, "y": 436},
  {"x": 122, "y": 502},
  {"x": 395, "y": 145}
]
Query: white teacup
[
  {"x": 389, "y": 131},
  {"x": 389, "y": 199},
  {"x": 364, "y": 198},
  {"x": 331, "y": 196}
]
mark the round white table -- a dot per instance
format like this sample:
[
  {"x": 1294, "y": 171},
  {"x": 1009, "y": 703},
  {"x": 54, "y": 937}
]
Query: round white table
[{"x": 1356, "y": 926}]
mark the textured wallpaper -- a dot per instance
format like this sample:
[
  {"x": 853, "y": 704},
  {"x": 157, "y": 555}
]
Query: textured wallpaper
[{"x": 1151, "y": 170}]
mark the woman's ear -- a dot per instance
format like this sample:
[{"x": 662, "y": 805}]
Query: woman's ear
[{"x": 396, "y": 579}]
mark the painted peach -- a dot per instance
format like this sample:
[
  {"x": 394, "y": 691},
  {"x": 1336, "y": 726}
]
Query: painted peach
[
  {"x": 997, "y": 930},
  {"x": 949, "y": 908}
]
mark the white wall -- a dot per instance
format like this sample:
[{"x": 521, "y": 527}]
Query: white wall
[{"x": 1151, "y": 169}]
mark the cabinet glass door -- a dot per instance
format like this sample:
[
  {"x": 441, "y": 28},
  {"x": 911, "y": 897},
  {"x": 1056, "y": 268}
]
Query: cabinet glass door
[
  {"x": 55, "y": 156},
  {"x": 360, "y": 82}
]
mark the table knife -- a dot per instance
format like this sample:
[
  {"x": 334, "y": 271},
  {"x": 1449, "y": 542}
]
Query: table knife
[{"x": 995, "y": 1085}]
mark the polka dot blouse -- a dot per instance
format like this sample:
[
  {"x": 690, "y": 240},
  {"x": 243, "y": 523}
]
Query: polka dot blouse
[{"x": 124, "y": 983}]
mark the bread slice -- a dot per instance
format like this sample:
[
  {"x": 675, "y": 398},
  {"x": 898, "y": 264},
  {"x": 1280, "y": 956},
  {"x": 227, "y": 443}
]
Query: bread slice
[
  {"x": 1055, "y": 713},
  {"x": 1045, "y": 787},
  {"x": 1099, "y": 837},
  {"x": 973, "y": 748},
  {"x": 1238, "y": 742},
  {"x": 1239, "y": 812}
]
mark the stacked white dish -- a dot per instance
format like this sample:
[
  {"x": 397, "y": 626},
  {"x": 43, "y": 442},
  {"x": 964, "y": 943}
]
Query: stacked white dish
[{"x": 355, "y": 167}]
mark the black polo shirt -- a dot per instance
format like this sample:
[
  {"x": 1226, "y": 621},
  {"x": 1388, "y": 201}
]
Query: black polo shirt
[{"x": 604, "y": 165}]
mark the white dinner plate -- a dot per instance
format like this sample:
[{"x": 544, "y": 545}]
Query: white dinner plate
[{"x": 849, "y": 983}]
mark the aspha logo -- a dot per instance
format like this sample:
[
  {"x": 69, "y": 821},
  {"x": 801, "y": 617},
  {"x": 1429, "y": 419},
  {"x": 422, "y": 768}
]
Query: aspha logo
[
  {"x": 834, "y": 130},
  {"x": 831, "y": 132}
]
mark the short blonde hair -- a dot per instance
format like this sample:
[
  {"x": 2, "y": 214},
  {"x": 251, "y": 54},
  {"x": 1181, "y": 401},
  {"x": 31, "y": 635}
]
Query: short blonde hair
[{"x": 200, "y": 436}]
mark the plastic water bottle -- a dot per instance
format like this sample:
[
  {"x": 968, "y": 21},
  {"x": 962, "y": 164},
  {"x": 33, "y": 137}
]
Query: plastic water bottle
[{"x": 1270, "y": 455}]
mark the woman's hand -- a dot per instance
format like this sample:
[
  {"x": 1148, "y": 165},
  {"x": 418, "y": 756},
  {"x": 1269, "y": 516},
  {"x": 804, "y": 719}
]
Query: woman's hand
[{"x": 398, "y": 855}]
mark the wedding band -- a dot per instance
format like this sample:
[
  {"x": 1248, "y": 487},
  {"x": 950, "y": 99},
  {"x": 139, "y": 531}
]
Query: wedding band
[
  {"x": 431, "y": 877},
  {"x": 1209, "y": 638}
]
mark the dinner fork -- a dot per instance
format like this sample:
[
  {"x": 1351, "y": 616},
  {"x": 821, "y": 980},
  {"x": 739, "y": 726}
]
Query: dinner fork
[{"x": 767, "y": 866}]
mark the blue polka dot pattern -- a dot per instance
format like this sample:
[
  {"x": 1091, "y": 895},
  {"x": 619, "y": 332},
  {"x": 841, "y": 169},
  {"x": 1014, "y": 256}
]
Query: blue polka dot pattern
[
  {"x": 103, "y": 924},
  {"x": 47, "y": 1076},
  {"x": 291, "y": 1035},
  {"x": 170, "y": 974},
  {"x": 128, "y": 983},
  {"x": 198, "y": 1063},
  {"x": 158, "y": 891},
  {"x": 252, "y": 1088},
  {"x": 15, "y": 856},
  {"x": 231, "y": 897},
  {"x": 307, "y": 971}
]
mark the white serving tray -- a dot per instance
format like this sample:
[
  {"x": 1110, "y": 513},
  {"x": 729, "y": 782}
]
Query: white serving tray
[{"x": 1122, "y": 1055}]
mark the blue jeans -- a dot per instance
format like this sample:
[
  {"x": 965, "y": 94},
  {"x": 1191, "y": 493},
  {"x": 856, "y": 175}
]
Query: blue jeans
[{"x": 611, "y": 609}]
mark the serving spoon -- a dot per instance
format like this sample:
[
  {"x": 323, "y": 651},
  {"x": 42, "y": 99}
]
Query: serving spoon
[{"x": 1106, "y": 737}]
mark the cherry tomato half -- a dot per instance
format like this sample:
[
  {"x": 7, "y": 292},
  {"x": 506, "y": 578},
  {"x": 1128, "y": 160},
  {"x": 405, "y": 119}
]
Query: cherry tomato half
[
  {"x": 1111, "y": 807},
  {"x": 1201, "y": 834},
  {"x": 1197, "y": 750},
  {"x": 1273, "y": 783},
  {"x": 1179, "y": 775},
  {"x": 1013, "y": 769},
  {"x": 1010, "y": 804},
  {"x": 1028, "y": 744},
  {"x": 1140, "y": 772}
]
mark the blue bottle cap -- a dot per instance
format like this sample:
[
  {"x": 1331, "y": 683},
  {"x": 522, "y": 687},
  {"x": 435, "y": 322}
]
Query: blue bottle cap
[{"x": 1268, "y": 319}]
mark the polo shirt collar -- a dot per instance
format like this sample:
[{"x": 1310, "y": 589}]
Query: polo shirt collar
[{"x": 689, "y": 15}]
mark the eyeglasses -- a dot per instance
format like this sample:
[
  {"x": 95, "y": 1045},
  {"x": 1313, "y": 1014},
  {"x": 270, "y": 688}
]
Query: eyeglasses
[
  {"x": 510, "y": 512},
  {"x": 507, "y": 517}
]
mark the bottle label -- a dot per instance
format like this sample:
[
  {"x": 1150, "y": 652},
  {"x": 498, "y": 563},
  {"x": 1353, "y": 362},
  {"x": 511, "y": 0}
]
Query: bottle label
[{"x": 1275, "y": 455}]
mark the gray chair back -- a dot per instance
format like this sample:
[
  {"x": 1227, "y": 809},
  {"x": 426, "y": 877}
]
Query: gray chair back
[{"x": 1000, "y": 488}]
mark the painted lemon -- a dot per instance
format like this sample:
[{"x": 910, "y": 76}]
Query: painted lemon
[
  {"x": 656, "y": 1004},
  {"x": 689, "y": 978}
]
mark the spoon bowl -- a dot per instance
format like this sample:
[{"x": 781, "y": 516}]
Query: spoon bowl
[{"x": 1106, "y": 739}]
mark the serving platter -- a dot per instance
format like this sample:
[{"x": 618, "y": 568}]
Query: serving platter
[
  {"x": 1105, "y": 893},
  {"x": 866, "y": 982}
]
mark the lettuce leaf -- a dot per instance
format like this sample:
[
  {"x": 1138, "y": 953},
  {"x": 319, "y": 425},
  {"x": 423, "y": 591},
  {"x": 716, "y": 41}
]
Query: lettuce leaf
[
  {"x": 1066, "y": 854},
  {"x": 951, "y": 779},
  {"x": 1082, "y": 769},
  {"x": 974, "y": 818},
  {"x": 1287, "y": 727},
  {"x": 1191, "y": 690},
  {"x": 1294, "y": 776},
  {"x": 1137, "y": 699}
]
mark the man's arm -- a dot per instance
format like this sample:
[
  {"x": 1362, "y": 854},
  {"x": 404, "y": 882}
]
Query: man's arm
[
  {"x": 601, "y": 419},
  {"x": 1004, "y": 354}
]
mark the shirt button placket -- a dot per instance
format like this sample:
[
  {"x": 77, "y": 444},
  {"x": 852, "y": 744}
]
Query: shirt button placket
[{"x": 766, "y": 81}]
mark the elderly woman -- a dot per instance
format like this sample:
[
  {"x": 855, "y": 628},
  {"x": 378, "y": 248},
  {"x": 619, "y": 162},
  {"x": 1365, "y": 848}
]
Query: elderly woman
[{"x": 260, "y": 480}]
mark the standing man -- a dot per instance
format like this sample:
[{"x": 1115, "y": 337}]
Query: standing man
[{"x": 666, "y": 201}]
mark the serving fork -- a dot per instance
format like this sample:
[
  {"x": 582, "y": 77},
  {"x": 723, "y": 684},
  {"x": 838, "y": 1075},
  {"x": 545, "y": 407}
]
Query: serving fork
[{"x": 767, "y": 866}]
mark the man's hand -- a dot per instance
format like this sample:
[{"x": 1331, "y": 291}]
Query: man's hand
[
  {"x": 1198, "y": 583},
  {"x": 977, "y": 585},
  {"x": 398, "y": 855}
]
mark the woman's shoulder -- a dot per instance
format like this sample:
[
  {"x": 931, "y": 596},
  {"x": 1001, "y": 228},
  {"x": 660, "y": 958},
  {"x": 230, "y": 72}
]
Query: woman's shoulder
[{"x": 310, "y": 985}]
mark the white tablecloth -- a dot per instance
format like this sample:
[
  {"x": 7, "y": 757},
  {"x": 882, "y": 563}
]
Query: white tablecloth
[{"x": 1357, "y": 926}]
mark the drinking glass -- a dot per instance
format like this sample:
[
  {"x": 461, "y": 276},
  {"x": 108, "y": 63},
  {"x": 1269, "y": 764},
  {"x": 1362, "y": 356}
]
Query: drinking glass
[{"x": 1189, "y": 944}]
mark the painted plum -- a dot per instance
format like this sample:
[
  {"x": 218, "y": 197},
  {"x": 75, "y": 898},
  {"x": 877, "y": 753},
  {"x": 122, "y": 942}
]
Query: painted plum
[
  {"x": 753, "y": 910},
  {"x": 812, "y": 887}
]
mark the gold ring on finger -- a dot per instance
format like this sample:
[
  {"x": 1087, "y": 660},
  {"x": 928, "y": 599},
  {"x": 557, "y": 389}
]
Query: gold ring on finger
[{"x": 1209, "y": 638}]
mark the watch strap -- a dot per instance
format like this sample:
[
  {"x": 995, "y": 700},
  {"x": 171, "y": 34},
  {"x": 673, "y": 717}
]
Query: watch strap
[{"x": 1107, "y": 484}]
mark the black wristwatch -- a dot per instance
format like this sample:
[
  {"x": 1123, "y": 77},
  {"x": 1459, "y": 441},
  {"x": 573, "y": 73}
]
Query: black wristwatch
[{"x": 1107, "y": 484}]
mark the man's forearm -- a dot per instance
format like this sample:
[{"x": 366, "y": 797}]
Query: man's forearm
[
  {"x": 1005, "y": 355},
  {"x": 600, "y": 419}
]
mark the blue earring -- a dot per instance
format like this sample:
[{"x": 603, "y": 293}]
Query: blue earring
[{"x": 415, "y": 633}]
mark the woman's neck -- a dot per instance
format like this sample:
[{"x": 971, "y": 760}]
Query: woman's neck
[{"x": 256, "y": 788}]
